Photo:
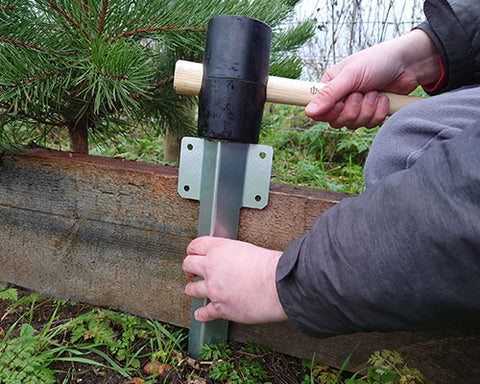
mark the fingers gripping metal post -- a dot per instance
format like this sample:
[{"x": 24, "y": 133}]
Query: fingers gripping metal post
[{"x": 225, "y": 169}]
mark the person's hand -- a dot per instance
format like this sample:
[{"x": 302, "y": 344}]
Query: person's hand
[
  {"x": 350, "y": 97},
  {"x": 238, "y": 278}
]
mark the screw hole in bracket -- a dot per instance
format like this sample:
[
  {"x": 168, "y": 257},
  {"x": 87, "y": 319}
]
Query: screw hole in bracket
[
  {"x": 263, "y": 155},
  {"x": 190, "y": 147},
  {"x": 186, "y": 188},
  {"x": 258, "y": 198}
]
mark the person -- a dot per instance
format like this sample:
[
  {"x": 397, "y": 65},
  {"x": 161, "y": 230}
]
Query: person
[{"x": 404, "y": 254}]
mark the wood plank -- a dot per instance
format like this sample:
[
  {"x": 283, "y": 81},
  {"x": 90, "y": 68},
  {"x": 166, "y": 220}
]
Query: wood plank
[{"x": 113, "y": 233}]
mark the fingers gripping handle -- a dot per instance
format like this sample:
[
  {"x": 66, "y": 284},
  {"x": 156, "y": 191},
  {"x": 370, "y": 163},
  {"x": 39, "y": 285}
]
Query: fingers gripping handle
[{"x": 188, "y": 81}]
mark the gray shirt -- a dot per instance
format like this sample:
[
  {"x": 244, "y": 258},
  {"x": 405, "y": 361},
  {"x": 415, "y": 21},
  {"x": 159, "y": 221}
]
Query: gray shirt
[{"x": 405, "y": 254}]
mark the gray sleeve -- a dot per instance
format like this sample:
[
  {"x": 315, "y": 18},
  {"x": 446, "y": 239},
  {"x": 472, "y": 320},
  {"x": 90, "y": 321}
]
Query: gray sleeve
[
  {"x": 405, "y": 254},
  {"x": 454, "y": 27}
]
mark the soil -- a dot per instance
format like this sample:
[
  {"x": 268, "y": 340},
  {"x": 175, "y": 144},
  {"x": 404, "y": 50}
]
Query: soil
[{"x": 280, "y": 368}]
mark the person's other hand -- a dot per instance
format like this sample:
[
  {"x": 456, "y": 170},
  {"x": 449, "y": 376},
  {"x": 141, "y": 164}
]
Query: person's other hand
[
  {"x": 238, "y": 278},
  {"x": 350, "y": 97}
]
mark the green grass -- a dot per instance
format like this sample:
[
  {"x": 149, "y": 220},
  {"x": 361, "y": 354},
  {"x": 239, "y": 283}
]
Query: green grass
[
  {"x": 69, "y": 335},
  {"x": 53, "y": 341},
  {"x": 307, "y": 154},
  {"x": 314, "y": 154},
  {"x": 44, "y": 341}
]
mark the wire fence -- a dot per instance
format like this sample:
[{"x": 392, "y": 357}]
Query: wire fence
[
  {"x": 345, "y": 27},
  {"x": 348, "y": 26}
]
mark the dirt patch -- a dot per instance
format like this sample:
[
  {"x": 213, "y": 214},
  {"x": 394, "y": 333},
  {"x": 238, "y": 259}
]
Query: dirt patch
[{"x": 85, "y": 368}]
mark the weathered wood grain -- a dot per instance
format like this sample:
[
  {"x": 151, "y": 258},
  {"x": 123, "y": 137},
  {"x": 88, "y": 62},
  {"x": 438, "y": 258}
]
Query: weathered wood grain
[{"x": 113, "y": 233}]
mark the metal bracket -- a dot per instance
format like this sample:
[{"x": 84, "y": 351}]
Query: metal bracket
[
  {"x": 258, "y": 170},
  {"x": 224, "y": 176}
]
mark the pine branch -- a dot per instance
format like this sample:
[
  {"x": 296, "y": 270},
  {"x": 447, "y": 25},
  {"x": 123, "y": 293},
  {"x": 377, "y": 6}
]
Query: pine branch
[
  {"x": 80, "y": 89},
  {"x": 101, "y": 21},
  {"x": 114, "y": 77},
  {"x": 157, "y": 29},
  {"x": 160, "y": 84},
  {"x": 51, "y": 75},
  {"x": 32, "y": 46},
  {"x": 22, "y": 44},
  {"x": 86, "y": 7},
  {"x": 35, "y": 118},
  {"x": 39, "y": 120},
  {"x": 68, "y": 17},
  {"x": 38, "y": 77},
  {"x": 63, "y": 13}
]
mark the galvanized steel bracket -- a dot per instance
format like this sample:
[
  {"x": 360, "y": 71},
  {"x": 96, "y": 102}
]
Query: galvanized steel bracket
[
  {"x": 258, "y": 170},
  {"x": 224, "y": 177}
]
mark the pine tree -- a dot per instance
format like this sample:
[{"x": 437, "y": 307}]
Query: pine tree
[{"x": 97, "y": 68}]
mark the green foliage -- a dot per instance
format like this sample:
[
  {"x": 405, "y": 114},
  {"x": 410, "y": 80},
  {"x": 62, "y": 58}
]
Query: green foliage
[
  {"x": 92, "y": 326},
  {"x": 386, "y": 367},
  {"x": 285, "y": 42},
  {"x": 389, "y": 367},
  {"x": 22, "y": 360},
  {"x": 228, "y": 369},
  {"x": 111, "y": 341},
  {"x": 223, "y": 370},
  {"x": 25, "y": 359},
  {"x": 319, "y": 373},
  {"x": 314, "y": 154},
  {"x": 10, "y": 294},
  {"x": 252, "y": 371},
  {"x": 386, "y": 359},
  {"x": 99, "y": 338},
  {"x": 213, "y": 352},
  {"x": 99, "y": 65},
  {"x": 255, "y": 349},
  {"x": 147, "y": 147},
  {"x": 164, "y": 342},
  {"x": 305, "y": 158},
  {"x": 358, "y": 142},
  {"x": 121, "y": 333}
]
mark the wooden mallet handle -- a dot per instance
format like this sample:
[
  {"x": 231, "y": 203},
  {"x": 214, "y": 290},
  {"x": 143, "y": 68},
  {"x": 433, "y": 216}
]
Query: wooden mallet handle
[{"x": 280, "y": 90}]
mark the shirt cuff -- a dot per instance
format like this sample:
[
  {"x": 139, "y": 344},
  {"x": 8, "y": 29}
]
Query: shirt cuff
[{"x": 442, "y": 82}]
